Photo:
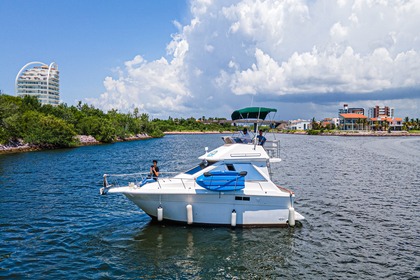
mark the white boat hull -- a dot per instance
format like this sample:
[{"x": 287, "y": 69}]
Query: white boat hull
[{"x": 216, "y": 208}]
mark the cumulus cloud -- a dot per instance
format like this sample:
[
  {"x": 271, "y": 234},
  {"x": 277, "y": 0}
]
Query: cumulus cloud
[{"x": 232, "y": 53}]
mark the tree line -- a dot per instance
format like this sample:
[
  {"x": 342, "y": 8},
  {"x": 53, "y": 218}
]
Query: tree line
[
  {"x": 25, "y": 119},
  {"x": 411, "y": 124}
]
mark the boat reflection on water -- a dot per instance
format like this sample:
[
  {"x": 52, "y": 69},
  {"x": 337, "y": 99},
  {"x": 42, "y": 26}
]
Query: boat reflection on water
[{"x": 179, "y": 252}]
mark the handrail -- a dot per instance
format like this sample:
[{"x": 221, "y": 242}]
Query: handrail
[
  {"x": 272, "y": 147},
  {"x": 140, "y": 177}
]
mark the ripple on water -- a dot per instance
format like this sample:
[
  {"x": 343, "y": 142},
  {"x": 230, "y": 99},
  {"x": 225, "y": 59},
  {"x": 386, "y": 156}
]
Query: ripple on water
[{"x": 359, "y": 196}]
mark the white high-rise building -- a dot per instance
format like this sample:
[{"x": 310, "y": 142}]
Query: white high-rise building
[{"x": 41, "y": 81}]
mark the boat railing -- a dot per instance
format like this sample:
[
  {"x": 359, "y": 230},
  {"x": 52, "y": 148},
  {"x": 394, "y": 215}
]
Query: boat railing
[
  {"x": 136, "y": 180},
  {"x": 118, "y": 180},
  {"x": 272, "y": 147}
]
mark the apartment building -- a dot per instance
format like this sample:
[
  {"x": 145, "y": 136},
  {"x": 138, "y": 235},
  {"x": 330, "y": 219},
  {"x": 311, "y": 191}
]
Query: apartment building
[{"x": 42, "y": 81}]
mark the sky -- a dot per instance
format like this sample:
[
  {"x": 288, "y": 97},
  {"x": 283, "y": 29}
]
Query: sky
[{"x": 306, "y": 58}]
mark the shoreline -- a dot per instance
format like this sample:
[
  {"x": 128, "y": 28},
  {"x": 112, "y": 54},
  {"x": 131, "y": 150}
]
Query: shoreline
[
  {"x": 84, "y": 140},
  {"x": 357, "y": 134},
  {"x": 87, "y": 140},
  {"x": 195, "y": 132}
]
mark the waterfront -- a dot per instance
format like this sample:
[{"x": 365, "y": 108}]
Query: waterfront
[{"x": 359, "y": 196}]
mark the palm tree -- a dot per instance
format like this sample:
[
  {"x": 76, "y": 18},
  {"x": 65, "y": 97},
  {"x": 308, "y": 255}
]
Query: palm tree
[
  {"x": 314, "y": 124},
  {"x": 385, "y": 124},
  {"x": 358, "y": 124},
  {"x": 376, "y": 125},
  {"x": 406, "y": 125},
  {"x": 364, "y": 123}
]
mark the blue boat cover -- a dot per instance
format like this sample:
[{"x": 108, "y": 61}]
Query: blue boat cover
[{"x": 220, "y": 180}]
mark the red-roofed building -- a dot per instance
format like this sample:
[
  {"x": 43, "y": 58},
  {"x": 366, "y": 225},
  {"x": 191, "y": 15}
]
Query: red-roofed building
[
  {"x": 385, "y": 123},
  {"x": 353, "y": 121}
]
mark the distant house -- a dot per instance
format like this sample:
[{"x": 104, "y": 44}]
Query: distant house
[
  {"x": 397, "y": 124},
  {"x": 299, "y": 125},
  {"x": 384, "y": 122},
  {"x": 330, "y": 122},
  {"x": 353, "y": 121}
]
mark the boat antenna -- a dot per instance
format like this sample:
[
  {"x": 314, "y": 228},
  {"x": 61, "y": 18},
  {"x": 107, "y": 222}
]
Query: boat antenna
[
  {"x": 256, "y": 128},
  {"x": 272, "y": 121}
]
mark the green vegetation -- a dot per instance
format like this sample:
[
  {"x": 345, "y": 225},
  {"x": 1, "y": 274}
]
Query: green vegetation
[
  {"x": 313, "y": 132},
  {"x": 48, "y": 126},
  {"x": 25, "y": 119},
  {"x": 192, "y": 124},
  {"x": 412, "y": 125}
]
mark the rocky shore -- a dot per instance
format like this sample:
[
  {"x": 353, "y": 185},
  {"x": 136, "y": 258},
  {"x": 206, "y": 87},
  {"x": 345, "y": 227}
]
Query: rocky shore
[
  {"x": 134, "y": 138},
  {"x": 18, "y": 146},
  {"x": 195, "y": 132},
  {"x": 84, "y": 140}
]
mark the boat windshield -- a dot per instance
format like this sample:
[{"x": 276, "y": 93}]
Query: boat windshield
[
  {"x": 201, "y": 166},
  {"x": 252, "y": 173}
]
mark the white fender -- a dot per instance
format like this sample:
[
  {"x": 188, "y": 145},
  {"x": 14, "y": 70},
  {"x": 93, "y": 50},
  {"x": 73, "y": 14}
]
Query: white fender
[
  {"x": 160, "y": 214},
  {"x": 291, "y": 216},
  {"x": 233, "y": 218},
  {"x": 189, "y": 214}
]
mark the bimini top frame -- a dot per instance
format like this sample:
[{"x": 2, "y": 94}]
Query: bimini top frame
[{"x": 251, "y": 113}]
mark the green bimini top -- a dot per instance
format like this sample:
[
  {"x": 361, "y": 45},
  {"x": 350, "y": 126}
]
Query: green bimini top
[{"x": 259, "y": 113}]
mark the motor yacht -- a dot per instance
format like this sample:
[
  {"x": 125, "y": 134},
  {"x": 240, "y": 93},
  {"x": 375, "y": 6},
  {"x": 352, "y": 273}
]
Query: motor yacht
[{"x": 230, "y": 186}]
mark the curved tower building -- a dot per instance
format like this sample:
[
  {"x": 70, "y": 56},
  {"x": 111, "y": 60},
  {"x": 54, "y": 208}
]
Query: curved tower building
[{"x": 42, "y": 81}]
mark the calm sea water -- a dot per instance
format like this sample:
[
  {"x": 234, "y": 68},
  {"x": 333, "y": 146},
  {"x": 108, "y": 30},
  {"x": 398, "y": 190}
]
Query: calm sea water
[{"x": 360, "y": 197}]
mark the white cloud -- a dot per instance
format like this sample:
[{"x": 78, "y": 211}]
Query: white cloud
[
  {"x": 338, "y": 31},
  {"x": 231, "y": 49}
]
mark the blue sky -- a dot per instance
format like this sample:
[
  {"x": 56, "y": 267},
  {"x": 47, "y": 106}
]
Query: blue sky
[
  {"x": 195, "y": 58},
  {"x": 87, "y": 39}
]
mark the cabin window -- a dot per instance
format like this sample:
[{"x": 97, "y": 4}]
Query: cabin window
[
  {"x": 230, "y": 167},
  {"x": 252, "y": 173},
  {"x": 222, "y": 167},
  {"x": 193, "y": 170}
]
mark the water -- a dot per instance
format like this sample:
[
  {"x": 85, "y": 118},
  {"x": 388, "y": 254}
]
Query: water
[{"x": 360, "y": 197}]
